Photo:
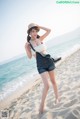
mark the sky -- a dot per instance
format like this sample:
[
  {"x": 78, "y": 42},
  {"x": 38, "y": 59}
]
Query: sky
[{"x": 15, "y": 15}]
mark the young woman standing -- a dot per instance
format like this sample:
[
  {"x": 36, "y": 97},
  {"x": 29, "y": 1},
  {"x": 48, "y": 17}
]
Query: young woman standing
[{"x": 43, "y": 67}]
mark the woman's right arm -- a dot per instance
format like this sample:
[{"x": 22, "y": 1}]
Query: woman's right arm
[{"x": 28, "y": 50}]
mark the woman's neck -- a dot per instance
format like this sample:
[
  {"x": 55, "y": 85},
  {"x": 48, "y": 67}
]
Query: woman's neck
[{"x": 33, "y": 39}]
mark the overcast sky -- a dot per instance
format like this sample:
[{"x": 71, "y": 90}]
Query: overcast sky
[{"x": 15, "y": 15}]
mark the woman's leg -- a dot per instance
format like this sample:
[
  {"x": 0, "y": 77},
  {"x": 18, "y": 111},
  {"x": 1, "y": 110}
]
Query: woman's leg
[
  {"x": 52, "y": 78},
  {"x": 44, "y": 77}
]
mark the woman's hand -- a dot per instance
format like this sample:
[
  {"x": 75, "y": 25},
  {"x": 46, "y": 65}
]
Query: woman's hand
[{"x": 47, "y": 31}]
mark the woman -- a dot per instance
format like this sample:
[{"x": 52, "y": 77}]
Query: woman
[{"x": 34, "y": 43}]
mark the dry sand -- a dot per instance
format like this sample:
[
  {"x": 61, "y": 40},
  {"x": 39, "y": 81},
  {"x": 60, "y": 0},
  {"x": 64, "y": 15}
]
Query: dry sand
[{"x": 68, "y": 79}]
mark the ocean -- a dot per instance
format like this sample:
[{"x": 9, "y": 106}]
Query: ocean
[{"x": 16, "y": 73}]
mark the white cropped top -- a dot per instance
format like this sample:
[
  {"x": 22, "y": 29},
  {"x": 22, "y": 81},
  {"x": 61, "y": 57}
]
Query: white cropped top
[{"x": 40, "y": 48}]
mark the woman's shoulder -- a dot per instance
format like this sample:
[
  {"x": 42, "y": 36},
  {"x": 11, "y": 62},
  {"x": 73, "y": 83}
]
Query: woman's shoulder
[{"x": 26, "y": 44}]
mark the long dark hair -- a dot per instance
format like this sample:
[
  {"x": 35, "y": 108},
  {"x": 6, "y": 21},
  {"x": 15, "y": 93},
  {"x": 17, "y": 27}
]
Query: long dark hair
[{"x": 28, "y": 37}]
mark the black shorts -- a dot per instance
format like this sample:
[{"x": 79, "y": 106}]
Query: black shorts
[
  {"x": 42, "y": 69},
  {"x": 44, "y": 64}
]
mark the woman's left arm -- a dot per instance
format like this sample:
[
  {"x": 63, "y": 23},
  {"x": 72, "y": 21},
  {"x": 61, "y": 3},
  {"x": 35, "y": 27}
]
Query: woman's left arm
[{"x": 45, "y": 34}]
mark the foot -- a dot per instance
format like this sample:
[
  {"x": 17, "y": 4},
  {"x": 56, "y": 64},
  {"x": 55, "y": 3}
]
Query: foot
[{"x": 57, "y": 100}]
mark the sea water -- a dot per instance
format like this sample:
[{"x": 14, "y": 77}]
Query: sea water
[{"x": 16, "y": 73}]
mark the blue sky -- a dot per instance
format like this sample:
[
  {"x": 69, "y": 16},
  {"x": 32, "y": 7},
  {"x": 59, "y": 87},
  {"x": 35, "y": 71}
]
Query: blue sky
[{"x": 15, "y": 15}]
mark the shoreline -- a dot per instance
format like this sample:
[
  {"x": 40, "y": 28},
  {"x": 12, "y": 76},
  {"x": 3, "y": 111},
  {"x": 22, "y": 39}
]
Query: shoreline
[
  {"x": 6, "y": 102},
  {"x": 67, "y": 77}
]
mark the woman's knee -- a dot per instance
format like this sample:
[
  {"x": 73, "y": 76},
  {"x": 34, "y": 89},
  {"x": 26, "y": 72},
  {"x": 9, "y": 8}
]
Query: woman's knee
[
  {"x": 53, "y": 81},
  {"x": 46, "y": 86}
]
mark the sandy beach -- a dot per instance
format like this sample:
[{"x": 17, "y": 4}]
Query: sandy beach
[{"x": 68, "y": 80}]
